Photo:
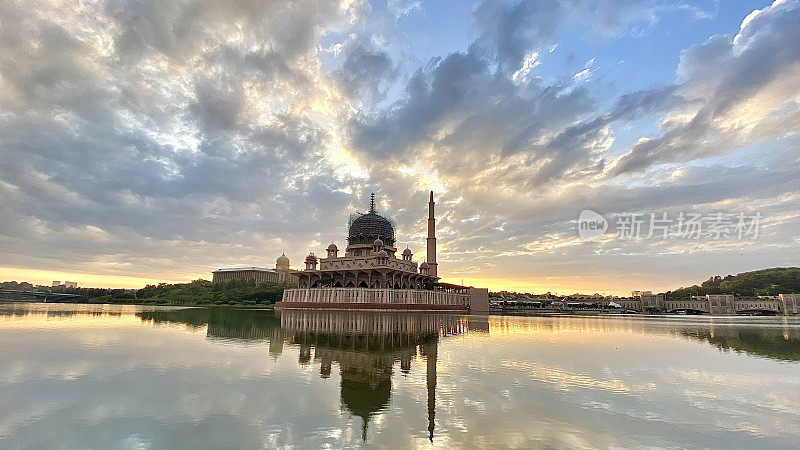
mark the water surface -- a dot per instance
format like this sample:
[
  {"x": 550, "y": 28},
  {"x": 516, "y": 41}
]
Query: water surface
[{"x": 88, "y": 376}]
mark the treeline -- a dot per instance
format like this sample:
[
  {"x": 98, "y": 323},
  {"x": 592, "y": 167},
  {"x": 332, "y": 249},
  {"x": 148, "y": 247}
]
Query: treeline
[
  {"x": 202, "y": 292},
  {"x": 87, "y": 295},
  {"x": 780, "y": 280},
  {"x": 222, "y": 322},
  {"x": 198, "y": 292}
]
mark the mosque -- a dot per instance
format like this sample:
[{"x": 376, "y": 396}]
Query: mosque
[{"x": 370, "y": 275}]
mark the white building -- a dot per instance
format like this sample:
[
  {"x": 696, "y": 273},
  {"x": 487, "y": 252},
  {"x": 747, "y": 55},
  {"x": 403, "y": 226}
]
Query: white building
[{"x": 281, "y": 274}]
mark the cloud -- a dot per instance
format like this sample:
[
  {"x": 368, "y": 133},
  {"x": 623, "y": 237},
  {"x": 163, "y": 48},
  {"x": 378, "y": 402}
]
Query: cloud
[
  {"x": 165, "y": 139},
  {"x": 512, "y": 31},
  {"x": 217, "y": 107},
  {"x": 583, "y": 75},
  {"x": 515, "y": 30},
  {"x": 366, "y": 72},
  {"x": 644, "y": 102},
  {"x": 526, "y": 155},
  {"x": 737, "y": 91},
  {"x": 161, "y": 122},
  {"x": 401, "y": 8}
]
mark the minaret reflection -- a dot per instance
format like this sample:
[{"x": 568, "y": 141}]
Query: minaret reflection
[
  {"x": 430, "y": 353},
  {"x": 366, "y": 346}
]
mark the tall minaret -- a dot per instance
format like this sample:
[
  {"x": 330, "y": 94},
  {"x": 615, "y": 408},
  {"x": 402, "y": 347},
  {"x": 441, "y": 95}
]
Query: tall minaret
[{"x": 431, "y": 239}]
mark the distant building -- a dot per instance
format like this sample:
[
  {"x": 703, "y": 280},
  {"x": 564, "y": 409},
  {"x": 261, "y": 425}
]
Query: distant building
[
  {"x": 720, "y": 304},
  {"x": 762, "y": 303},
  {"x": 790, "y": 303},
  {"x": 727, "y": 304},
  {"x": 71, "y": 284},
  {"x": 650, "y": 301},
  {"x": 694, "y": 303},
  {"x": 646, "y": 301},
  {"x": 57, "y": 283},
  {"x": 715, "y": 304},
  {"x": 281, "y": 274},
  {"x": 632, "y": 303},
  {"x": 638, "y": 301}
]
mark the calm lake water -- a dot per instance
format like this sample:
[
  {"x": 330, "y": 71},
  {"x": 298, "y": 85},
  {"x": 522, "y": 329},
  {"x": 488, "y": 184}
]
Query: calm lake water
[{"x": 81, "y": 376}]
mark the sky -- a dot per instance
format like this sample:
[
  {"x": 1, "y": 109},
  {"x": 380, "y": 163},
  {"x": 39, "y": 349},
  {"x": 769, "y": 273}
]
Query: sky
[{"x": 157, "y": 140}]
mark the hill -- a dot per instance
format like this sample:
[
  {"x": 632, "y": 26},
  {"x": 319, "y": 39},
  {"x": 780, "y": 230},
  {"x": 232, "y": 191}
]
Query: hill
[{"x": 779, "y": 280}]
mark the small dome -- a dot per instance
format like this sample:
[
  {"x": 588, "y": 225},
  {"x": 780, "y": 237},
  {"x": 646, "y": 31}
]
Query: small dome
[
  {"x": 282, "y": 259},
  {"x": 383, "y": 254},
  {"x": 333, "y": 247},
  {"x": 424, "y": 265},
  {"x": 407, "y": 251},
  {"x": 377, "y": 243},
  {"x": 311, "y": 258}
]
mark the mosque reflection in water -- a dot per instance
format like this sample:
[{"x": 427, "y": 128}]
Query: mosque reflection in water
[
  {"x": 365, "y": 345},
  {"x": 243, "y": 378}
]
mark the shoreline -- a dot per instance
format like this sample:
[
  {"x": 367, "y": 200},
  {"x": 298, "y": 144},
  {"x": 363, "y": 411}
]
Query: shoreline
[
  {"x": 179, "y": 305},
  {"x": 562, "y": 314}
]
